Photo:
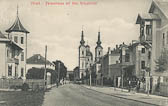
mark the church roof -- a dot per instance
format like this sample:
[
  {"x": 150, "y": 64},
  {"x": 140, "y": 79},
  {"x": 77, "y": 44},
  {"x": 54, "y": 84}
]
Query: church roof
[
  {"x": 37, "y": 59},
  {"x": 17, "y": 27},
  {"x": 82, "y": 42}
]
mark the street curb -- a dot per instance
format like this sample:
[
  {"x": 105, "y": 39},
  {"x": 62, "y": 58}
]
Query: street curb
[{"x": 121, "y": 97}]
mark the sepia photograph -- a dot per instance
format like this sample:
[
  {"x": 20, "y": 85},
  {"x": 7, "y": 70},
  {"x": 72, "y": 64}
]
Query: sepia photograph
[{"x": 83, "y": 52}]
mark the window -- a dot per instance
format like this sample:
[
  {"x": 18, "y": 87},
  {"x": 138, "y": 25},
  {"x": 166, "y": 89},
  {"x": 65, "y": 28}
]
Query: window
[
  {"x": 82, "y": 52},
  {"x": 148, "y": 30},
  {"x": 99, "y": 53},
  {"x": 7, "y": 53},
  {"x": 9, "y": 70},
  {"x": 22, "y": 56},
  {"x": 141, "y": 31},
  {"x": 163, "y": 39},
  {"x": 16, "y": 39},
  {"x": 22, "y": 40},
  {"x": 22, "y": 72},
  {"x": 127, "y": 57},
  {"x": 143, "y": 50},
  {"x": 142, "y": 64},
  {"x": 149, "y": 55}
]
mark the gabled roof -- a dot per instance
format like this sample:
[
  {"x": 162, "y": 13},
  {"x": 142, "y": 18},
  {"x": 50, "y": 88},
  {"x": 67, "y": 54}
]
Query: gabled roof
[
  {"x": 37, "y": 59},
  {"x": 147, "y": 16},
  {"x": 17, "y": 27},
  {"x": 161, "y": 5}
]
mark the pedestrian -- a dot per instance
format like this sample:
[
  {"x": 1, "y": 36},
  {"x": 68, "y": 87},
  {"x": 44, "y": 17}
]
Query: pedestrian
[
  {"x": 129, "y": 86},
  {"x": 138, "y": 85}
]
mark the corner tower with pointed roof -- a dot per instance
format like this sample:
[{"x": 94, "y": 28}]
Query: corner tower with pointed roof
[
  {"x": 98, "y": 49},
  {"x": 18, "y": 34}
]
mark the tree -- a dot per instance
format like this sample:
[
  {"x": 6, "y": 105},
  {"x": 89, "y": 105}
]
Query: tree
[
  {"x": 162, "y": 62},
  {"x": 38, "y": 73},
  {"x": 61, "y": 69}
]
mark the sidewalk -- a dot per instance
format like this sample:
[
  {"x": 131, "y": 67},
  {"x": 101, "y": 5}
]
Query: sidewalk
[{"x": 117, "y": 92}]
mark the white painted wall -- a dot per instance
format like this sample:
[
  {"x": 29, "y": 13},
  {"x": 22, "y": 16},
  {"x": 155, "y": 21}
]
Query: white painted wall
[{"x": 2, "y": 59}]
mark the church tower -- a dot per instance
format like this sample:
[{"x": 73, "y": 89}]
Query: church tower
[
  {"x": 98, "y": 49},
  {"x": 18, "y": 34},
  {"x": 82, "y": 56}
]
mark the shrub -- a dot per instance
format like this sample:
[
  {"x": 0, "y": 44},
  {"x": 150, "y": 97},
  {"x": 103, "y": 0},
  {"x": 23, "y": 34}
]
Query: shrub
[{"x": 25, "y": 87}]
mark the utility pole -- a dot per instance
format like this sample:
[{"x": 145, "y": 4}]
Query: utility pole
[
  {"x": 45, "y": 65},
  {"x": 122, "y": 78},
  {"x": 90, "y": 78},
  {"x": 58, "y": 71}
]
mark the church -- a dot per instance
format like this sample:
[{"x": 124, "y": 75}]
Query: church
[{"x": 86, "y": 57}]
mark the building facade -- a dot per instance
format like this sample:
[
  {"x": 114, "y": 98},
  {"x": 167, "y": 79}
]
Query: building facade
[
  {"x": 14, "y": 51},
  {"x": 154, "y": 29}
]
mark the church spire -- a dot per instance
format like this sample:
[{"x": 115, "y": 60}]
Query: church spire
[
  {"x": 17, "y": 11},
  {"x": 99, "y": 41},
  {"x": 82, "y": 42}
]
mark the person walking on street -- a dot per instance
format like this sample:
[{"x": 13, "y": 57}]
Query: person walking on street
[{"x": 129, "y": 86}]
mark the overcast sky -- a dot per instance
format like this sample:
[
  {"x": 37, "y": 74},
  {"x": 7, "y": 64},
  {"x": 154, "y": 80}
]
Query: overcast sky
[{"x": 59, "y": 27}]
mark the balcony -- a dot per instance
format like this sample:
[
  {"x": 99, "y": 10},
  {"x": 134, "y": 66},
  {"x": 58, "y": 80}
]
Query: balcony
[{"x": 13, "y": 60}]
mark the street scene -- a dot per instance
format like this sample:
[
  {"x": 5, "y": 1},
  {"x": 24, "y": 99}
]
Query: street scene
[{"x": 84, "y": 53}]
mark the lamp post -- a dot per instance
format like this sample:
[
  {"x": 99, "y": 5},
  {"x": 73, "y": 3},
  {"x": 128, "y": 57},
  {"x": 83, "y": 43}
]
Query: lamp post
[
  {"x": 90, "y": 76},
  {"x": 45, "y": 66}
]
